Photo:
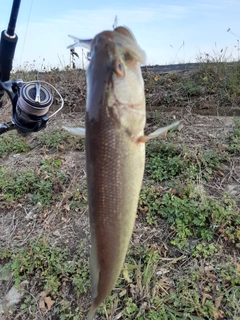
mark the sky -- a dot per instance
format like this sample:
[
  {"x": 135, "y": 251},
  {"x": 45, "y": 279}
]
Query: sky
[{"x": 169, "y": 31}]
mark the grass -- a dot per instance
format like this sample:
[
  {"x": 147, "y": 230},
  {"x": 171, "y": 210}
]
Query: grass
[
  {"x": 217, "y": 78},
  {"x": 39, "y": 184},
  {"x": 192, "y": 215},
  {"x": 12, "y": 143},
  {"x": 167, "y": 162},
  {"x": 60, "y": 140},
  {"x": 152, "y": 290},
  {"x": 54, "y": 266},
  {"x": 183, "y": 260},
  {"x": 233, "y": 141}
]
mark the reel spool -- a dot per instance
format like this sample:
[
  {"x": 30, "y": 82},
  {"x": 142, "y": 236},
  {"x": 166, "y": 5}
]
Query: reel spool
[
  {"x": 32, "y": 107},
  {"x": 31, "y": 102}
]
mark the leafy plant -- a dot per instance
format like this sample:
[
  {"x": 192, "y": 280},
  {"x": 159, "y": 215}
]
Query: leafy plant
[
  {"x": 191, "y": 214},
  {"x": 61, "y": 140},
  {"x": 78, "y": 198},
  {"x": 233, "y": 140},
  {"x": 12, "y": 142},
  {"x": 39, "y": 184},
  {"x": 197, "y": 291},
  {"x": 53, "y": 265},
  {"x": 14, "y": 185},
  {"x": 166, "y": 162}
]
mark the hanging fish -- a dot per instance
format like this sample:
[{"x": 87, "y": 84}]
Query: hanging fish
[{"x": 115, "y": 152}]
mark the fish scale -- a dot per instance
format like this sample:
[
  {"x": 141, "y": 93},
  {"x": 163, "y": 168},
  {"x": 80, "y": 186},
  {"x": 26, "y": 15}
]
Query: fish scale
[{"x": 114, "y": 185}]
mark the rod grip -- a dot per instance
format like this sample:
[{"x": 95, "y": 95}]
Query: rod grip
[{"x": 7, "y": 49}]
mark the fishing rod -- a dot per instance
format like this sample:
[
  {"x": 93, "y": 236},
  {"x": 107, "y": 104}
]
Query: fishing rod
[{"x": 30, "y": 101}]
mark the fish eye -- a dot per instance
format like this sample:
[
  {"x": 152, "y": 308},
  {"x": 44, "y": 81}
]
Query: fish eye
[
  {"x": 118, "y": 68},
  {"x": 127, "y": 56}
]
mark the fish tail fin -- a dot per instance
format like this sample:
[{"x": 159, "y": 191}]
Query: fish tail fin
[
  {"x": 91, "y": 312},
  {"x": 94, "y": 271}
]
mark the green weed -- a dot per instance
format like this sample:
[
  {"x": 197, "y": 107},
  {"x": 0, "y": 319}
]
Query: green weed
[
  {"x": 221, "y": 78},
  {"x": 196, "y": 292},
  {"x": 39, "y": 184},
  {"x": 55, "y": 268},
  {"x": 12, "y": 142},
  {"x": 233, "y": 140},
  {"x": 166, "y": 162},
  {"x": 61, "y": 140},
  {"x": 190, "y": 88},
  {"x": 78, "y": 198},
  {"x": 191, "y": 214},
  {"x": 14, "y": 185}
]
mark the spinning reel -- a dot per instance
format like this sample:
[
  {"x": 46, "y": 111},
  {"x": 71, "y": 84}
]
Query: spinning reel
[{"x": 30, "y": 101}]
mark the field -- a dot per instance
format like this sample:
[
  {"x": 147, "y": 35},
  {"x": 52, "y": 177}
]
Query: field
[{"x": 183, "y": 261}]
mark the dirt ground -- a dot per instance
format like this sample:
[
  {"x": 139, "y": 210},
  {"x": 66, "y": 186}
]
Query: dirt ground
[{"x": 63, "y": 226}]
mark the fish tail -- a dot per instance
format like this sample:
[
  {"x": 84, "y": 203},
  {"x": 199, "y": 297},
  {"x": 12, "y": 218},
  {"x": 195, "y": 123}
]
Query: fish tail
[
  {"x": 94, "y": 271},
  {"x": 91, "y": 312}
]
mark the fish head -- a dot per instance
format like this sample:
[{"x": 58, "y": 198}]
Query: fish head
[{"x": 114, "y": 79}]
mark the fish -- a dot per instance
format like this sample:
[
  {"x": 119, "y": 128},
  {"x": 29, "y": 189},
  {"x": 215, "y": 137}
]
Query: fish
[{"x": 115, "y": 152}]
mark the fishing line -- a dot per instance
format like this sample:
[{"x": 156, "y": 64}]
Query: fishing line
[{"x": 25, "y": 36}]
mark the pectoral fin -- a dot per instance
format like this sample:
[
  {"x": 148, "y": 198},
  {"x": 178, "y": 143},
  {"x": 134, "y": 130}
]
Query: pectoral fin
[
  {"x": 158, "y": 132},
  {"x": 75, "y": 131}
]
